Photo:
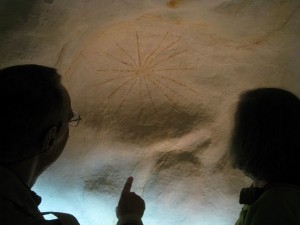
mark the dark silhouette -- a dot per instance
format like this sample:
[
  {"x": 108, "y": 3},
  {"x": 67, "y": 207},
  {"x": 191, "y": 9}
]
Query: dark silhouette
[
  {"x": 35, "y": 117},
  {"x": 265, "y": 145}
]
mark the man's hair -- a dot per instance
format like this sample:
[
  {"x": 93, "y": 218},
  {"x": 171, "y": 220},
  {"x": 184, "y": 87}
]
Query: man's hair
[
  {"x": 31, "y": 101},
  {"x": 266, "y": 137}
]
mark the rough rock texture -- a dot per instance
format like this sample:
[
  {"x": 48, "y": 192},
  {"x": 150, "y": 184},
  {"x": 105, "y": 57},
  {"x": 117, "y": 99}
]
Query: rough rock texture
[{"x": 156, "y": 83}]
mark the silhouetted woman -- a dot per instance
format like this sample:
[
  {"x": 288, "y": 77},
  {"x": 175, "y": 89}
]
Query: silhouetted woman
[{"x": 265, "y": 145}]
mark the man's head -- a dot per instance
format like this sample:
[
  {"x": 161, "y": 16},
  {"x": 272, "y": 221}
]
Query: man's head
[
  {"x": 266, "y": 137},
  {"x": 34, "y": 110}
]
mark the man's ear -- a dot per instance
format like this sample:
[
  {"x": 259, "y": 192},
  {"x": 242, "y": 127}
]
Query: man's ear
[{"x": 49, "y": 138}]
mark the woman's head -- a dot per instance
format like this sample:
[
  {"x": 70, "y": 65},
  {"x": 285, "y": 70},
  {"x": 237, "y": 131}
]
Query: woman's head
[{"x": 265, "y": 141}]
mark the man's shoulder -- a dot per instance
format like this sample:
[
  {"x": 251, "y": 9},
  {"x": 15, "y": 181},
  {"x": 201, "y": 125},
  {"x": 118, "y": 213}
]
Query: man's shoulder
[{"x": 10, "y": 215}]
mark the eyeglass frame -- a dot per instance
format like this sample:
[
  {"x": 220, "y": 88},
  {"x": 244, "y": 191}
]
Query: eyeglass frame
[{"x": 74, "y": 121}]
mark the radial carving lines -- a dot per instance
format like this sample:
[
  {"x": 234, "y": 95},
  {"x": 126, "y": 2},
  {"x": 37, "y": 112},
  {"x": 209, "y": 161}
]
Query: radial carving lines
[{"x": 147, "y": 73}]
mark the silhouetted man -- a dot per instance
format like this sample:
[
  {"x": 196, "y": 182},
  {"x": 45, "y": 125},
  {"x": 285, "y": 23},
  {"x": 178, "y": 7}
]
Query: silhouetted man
[{"x": 35, "y": 117}]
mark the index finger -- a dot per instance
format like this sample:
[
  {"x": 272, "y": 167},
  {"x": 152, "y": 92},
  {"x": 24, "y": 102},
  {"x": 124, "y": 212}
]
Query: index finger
[{"x": 127, "y": 186}]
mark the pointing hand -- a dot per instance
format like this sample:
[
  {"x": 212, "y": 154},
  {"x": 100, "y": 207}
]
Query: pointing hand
[{"x": 130, "y": 202}]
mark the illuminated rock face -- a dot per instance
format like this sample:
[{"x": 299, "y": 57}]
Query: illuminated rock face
[{"x": 156, "y": 83}]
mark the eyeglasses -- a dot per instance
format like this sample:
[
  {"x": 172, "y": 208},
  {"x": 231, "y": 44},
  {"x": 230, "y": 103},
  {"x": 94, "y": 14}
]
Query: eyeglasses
[{"x": 74, "y": 121}]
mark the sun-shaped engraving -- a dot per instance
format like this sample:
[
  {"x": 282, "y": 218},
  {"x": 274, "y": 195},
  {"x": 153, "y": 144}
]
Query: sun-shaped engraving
[
  {"x": 150, "y": 72},
  {"x": 138, "y": 87}
]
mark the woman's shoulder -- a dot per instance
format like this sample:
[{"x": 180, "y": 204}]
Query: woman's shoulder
[
  {"x": 278, "y": 205},
  {"x": 281, "y": 192}
]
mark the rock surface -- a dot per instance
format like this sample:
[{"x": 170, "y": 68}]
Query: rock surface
[{"x": 156, "y": 83}]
